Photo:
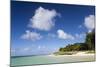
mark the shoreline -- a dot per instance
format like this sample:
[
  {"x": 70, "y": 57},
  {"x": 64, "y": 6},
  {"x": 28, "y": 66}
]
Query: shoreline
[
  {"x": 80, "y": 53},
  {"x": 81, "y": 56},
  {"x": 77, "y": 54}
]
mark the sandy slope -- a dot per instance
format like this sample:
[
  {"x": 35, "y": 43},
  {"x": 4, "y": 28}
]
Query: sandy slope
[{"x": 77, "y": 54}]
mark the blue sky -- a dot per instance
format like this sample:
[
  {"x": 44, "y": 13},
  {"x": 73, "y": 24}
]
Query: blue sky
[{"x": 40, "y": 28}]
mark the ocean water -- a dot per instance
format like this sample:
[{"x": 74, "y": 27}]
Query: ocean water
[{"x": 37, "y": 60}]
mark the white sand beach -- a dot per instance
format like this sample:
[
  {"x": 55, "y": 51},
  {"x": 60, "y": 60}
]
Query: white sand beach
[
  {"x": 77, "y": 54},
  {"x": 52, "y": 58}
]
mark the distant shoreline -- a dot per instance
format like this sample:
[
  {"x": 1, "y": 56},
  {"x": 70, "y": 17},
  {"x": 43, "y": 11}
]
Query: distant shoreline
[
  {"x": 28, "y": 55},
  {"x": 78, "y": 53}
]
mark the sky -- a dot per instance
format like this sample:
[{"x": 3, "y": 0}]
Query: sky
[{"x": 43, "y": 28}]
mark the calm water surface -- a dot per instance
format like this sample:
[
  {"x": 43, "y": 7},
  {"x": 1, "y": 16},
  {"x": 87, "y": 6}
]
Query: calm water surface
[{"x": 35, "y": 60}]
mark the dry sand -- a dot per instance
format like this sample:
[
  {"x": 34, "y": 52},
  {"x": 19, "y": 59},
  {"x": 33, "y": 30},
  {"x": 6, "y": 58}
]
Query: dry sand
[{"x": 77, "y": 54}]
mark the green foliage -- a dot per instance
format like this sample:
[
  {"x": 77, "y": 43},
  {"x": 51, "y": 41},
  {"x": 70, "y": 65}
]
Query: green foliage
[
  {"x": 74, "y": 47},
  {"x": 90, "y": 41},
  {"x": 88, "y": 45},
  {"x": 64, "y": 53}
]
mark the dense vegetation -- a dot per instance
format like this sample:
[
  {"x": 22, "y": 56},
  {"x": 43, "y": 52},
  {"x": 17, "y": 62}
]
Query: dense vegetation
[{"x": 89, "y": 44}]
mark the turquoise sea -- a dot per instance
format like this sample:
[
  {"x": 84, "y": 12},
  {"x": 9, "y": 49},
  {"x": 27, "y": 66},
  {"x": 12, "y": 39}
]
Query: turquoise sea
[{"x": 46, "y": 59}]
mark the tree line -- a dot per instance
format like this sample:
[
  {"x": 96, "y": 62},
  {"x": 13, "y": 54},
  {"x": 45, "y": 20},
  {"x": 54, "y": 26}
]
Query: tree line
[{"x": 89, "y": 44}]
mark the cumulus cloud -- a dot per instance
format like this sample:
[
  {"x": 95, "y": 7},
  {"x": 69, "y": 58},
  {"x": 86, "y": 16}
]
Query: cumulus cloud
[
  {"x": 26, "y": 49},
  {"x": 81, "y": 35},
  {"x": 41, "y": 47},
  {"x": 80, "y": 26},
  {"x": 43, "y": 19},
  {"x": 31, "y": 36},
  {"x": 89, "y": 22},
  {"x": 64, "y": 35}
]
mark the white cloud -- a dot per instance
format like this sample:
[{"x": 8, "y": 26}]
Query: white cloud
[
  {"x": 26, "y": 49},
  {"x": 41, "y": 47},
  {"x": 89, "y": 22},
  {"x": 64, "y": 35},
  {"x": 31, "y": 36},
  {"x": 80, "y": 26},
  {"x": 43, "y": 19},
  {"x": 82, "y": 35}
]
